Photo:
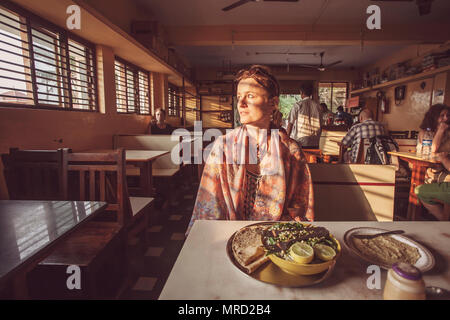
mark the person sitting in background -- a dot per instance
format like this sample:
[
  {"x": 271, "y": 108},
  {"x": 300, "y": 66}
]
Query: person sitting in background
[
  {"x": 366, "y": 128},
  {"x": 305, "y": 119},
  {"x": 346, "y": 117},
  {"x": 276, "y": 183},
  {"x": 436, "y": 116},
  {"x": 328, "y": 116},
  {"x": 158, "y": 125}
]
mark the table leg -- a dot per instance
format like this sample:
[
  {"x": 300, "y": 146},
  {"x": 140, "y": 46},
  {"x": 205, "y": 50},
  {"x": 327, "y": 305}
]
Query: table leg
[
  {"x": 145, "y": 179},
  {"x": 417, "y": 178}
]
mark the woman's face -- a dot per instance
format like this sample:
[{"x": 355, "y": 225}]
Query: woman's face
[
  {"x": 444, "y": 116},
  {"x": 254, "y": 105},
  {"x": 160, "y": 116}
]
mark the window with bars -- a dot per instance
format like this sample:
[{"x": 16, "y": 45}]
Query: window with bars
[
  {"x": 174, "y": 100},
  {"x": 43, "y": 66},
  {"x": 333, "y": 94},
  {"x": 132, "y": 88}
]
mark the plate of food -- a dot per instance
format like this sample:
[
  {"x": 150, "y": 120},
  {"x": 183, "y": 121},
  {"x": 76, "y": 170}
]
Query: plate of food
[
  {"x": 386, "y": 250},
  {"x": 290, "y": 254}
]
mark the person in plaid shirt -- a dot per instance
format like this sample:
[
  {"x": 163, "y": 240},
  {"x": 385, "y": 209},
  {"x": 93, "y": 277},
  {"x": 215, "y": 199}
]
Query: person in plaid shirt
[{"x": 365, "y": 129}]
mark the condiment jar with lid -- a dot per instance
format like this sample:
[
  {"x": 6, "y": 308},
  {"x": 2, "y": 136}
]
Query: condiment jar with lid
[{"x": 404, "y": 282}]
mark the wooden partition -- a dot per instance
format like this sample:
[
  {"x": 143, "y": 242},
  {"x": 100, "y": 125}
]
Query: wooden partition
[
  {"x": 328, "y": 143},
  {"x": 353, "y": 192}
]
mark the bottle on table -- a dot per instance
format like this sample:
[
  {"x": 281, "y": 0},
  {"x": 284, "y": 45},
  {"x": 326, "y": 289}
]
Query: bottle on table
[
  {"x": 427, "y": 141},
  {"x": 404, "y": 282}
]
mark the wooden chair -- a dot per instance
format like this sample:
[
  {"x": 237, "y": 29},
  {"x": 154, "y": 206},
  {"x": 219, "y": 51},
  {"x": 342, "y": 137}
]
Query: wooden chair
[
  {"x": 102, "y": 177},
  {"x": 43, "y": 175},
  {"x": 35, "y": 174},
  {"x": 360, "y": 155},
  {"x": 99, "y": 248}
]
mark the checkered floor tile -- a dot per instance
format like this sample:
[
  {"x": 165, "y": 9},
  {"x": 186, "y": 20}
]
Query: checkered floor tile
[{"x": 151, "y": 266}]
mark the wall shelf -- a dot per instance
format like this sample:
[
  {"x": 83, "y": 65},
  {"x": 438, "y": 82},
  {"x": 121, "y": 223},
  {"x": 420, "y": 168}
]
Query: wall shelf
[{"x": 388, "y": 84}]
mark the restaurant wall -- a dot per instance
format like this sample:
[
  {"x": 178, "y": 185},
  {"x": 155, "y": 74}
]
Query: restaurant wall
[
  {"x": 409, "y": 113},
  {"x": 122, "y": 13},
  {"x": 50, "y": 129},
  {"x": 420, "y": 94}
]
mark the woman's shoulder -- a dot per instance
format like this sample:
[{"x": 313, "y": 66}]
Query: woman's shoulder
[{"x": 292, "y": 145}]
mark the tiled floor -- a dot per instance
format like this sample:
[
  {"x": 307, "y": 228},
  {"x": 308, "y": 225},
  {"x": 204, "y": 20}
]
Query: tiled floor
[{"x": 151, "y": 265}]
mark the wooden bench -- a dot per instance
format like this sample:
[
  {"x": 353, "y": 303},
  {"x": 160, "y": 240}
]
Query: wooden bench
[
  {"x": 353, "y": 192},
  {"x": 164, "y": 170},
  {"x": 329, "y": 149},
  {"x": 328, "y": 144},
  {"x": 161, "y": 167}
]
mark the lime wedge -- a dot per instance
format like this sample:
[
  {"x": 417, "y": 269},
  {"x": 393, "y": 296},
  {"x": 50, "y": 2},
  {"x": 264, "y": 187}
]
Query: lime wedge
[
  {"x": 301, "y": 253},
  {"x": 324, "y": 252}
]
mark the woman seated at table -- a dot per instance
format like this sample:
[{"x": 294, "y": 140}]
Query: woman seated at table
[
  {"x": 435, "y": 119},
  {"x": 274, "y": 182},
  {"x": 436, "y": 190},
  {"x": 160, "y": 126},
  {"x": 436, "y": 196}
]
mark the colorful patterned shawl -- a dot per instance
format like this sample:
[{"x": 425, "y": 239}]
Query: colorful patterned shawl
[{"x": 286, "y": 181}]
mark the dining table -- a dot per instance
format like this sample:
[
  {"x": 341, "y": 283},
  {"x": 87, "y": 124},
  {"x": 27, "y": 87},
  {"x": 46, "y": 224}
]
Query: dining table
[
  {"x": 142, "y": 160},
  {"x": 204, "y": 270},
  {"x": 419, "y": 165},
  {"x": 29, "y": 229}
]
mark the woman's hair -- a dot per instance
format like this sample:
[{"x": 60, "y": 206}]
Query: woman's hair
[
  {"x": 263, "y": 76},
  {"x": 160, "y": 109},
  {"x": 277, "y": 118},
  {"x": 307, "y": 88},
  {"x": 430, "y": 118}
]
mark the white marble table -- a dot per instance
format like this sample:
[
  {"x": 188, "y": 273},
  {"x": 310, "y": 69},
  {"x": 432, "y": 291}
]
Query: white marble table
[{"x": 204, "y": 271}]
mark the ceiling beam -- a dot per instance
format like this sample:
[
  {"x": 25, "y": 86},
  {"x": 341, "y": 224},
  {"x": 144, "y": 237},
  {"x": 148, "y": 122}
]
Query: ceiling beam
[{"x": 306, "y": 35}]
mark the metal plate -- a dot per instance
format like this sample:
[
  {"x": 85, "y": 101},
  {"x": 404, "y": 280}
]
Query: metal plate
[
  {"x": 271, "y": 273},
  {"x": 425, "y": 262}
]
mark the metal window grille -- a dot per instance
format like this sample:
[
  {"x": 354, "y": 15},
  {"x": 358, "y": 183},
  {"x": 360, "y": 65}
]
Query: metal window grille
[
  {"x": 43, "y": 66},
  {"x": 333, "y": 94},
  {"x": 132, "y": 88},
  {"x": 174, "y": 101}
]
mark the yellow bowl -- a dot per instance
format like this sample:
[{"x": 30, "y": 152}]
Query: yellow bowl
[{"x": 294, "y": 268}]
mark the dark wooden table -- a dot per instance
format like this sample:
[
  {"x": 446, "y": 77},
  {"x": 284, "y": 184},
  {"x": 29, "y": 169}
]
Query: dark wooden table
[
  {"x": 419, "y": 167},
  {"x": 30, "y": 229}
]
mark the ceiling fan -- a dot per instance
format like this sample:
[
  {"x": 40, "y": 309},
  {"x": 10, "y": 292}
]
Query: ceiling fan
[
  {"x": 241, "y": 2},
  {"x": 321, "y": 66}
]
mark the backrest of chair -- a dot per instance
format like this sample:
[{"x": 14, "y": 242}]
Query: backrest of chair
[
  {"x": 399, "y": 134},
  {"x": 35, "y": 174},
  {"x": 414, "y": 134},
  {"x": 362, "y": 148},
  {"x": 327, "y": 142},
  {"x": 100, "y": 177}
]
